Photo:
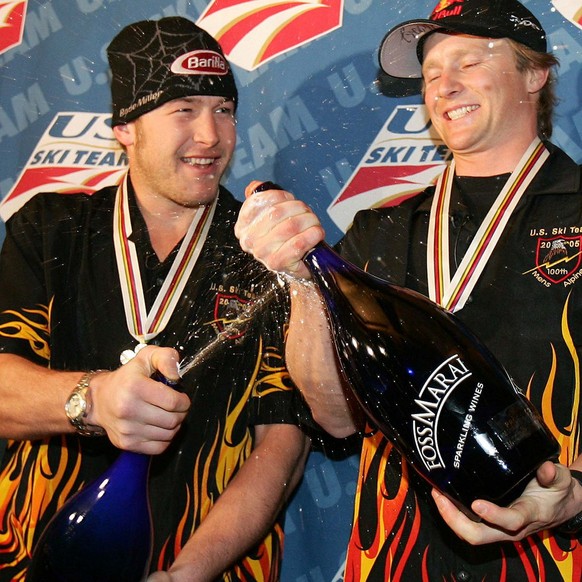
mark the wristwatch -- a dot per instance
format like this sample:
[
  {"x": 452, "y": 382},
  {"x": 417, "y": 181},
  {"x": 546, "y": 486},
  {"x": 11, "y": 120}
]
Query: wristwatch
[
  {"x": 78, "y": 406},
  {"x": 574, "y": 525}
]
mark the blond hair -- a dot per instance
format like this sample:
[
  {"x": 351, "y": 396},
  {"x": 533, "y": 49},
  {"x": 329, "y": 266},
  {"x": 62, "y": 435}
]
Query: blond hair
[{"x": 528, "y": 59}]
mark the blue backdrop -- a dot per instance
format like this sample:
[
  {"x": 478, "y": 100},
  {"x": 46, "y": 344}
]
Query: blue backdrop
[{"x": 314, "y": 116}]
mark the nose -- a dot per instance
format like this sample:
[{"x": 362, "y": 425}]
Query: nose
[
  {"x": 204, "y": 129},
  {"x": 449, "y": 83}
]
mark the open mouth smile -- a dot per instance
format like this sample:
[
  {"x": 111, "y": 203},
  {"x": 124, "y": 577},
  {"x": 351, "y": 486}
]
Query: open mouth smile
[
  {"x": 460, "y": 112},
  {"x": 203, "y": 162}
]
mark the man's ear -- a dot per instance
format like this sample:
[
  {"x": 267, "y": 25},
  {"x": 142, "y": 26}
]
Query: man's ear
[
  {"x": 124, "y": 134},
  {"x": 537, "y": 78}
]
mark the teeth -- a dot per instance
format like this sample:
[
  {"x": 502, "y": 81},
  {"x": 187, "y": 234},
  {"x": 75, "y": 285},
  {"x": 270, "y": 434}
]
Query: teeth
[
  {"x": 198, "y": 161},
  {"x": 458, "y": 113}
]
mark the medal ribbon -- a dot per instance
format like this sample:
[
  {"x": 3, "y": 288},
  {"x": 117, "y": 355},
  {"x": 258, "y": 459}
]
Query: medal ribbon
[
  {"x": 452, "y": 294},
  {"x": 144, "y": 326}
]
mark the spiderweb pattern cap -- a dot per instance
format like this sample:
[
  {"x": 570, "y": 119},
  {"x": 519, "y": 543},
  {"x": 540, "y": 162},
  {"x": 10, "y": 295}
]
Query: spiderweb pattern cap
[{"x": 155, "y": 61}]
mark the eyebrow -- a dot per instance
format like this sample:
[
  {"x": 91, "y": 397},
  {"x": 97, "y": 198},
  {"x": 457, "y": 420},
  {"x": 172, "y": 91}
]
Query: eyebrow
[{"x": 198, "y": 98}]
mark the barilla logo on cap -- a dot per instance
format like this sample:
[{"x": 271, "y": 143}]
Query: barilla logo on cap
[
  {"x": 200, "y": 62},
  {"x": 446, "y": 8}
]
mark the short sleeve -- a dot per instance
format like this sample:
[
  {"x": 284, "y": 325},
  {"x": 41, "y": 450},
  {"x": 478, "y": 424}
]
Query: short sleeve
[{"x": 24, "y": 304}]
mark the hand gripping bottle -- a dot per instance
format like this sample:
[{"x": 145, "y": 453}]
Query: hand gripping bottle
[
  {"x": 103, "y": 532},
  {"x": 430, "y": 385}
]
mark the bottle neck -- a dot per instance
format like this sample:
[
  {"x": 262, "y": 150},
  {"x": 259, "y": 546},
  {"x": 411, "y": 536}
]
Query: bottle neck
[
  {"x": 323, "y": 259},
  {"x": 132, "y": 465}
]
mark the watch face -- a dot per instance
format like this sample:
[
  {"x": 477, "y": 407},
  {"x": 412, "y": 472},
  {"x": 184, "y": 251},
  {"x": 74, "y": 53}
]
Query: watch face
[{"x": 75, "y": 406}]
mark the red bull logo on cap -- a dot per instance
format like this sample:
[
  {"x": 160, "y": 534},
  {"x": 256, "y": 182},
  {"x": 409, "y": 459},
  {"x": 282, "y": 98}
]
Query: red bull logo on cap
[{"x": 446, "y": 8}]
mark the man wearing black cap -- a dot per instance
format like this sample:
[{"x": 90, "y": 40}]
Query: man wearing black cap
[
  {"x": 103, "y": 280},
  {"x": 507, "y": 212}
]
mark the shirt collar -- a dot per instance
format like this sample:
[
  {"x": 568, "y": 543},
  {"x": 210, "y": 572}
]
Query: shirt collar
[{"x": 559, "y": 175}]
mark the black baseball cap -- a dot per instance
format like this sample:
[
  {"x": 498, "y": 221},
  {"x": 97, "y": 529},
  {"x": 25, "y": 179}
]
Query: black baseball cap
[
  {"x": 401, "y": 49},
  {"x": 155, "y": 61}
]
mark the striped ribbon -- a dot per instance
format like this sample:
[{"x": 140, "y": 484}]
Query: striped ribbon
[
  {"x": 453, "y": 293},
  {"x": 144, "y": 326}
]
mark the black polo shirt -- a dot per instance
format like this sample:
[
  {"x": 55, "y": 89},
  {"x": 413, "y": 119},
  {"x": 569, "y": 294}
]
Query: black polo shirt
[
  {"x": 527, "y": 308},
  {"x": 61, "y": 305}
]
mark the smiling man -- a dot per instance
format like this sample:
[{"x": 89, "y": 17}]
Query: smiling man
[
  {"x": 507, "y": 211},
  {"x": 92, "y": 282}
]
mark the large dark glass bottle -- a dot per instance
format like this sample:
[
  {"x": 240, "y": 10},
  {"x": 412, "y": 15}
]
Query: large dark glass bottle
[
  {"x": 103, "y": 533},
  {"x": 431, "y": 386}
]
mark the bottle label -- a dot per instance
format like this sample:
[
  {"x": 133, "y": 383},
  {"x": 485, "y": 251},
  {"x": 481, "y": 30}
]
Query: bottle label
[
  {"x": 429, "y": 405},
  {"x": 509, "y": 424}
]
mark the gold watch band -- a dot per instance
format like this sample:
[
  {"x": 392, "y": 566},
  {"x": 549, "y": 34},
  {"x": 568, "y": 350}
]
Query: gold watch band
[{"x": 78, "y": 401}]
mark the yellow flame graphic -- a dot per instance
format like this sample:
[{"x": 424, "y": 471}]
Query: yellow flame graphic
[{"x": 33, "y": 328}]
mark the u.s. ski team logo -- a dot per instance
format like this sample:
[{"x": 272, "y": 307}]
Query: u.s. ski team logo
[
  {"x": 12, "y": 15},
  {"x": 559, "y": 257},
  {"x": 405, "y": 157},
  {"x": 77, "y": 153},
  {"x": 254, "y": 32},
  {"x": 228, "y": 308}
]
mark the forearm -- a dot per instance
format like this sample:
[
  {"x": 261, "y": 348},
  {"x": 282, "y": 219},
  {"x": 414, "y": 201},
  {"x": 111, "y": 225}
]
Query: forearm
[
  {"x": 313, "y": 365},
  {"x": 246, "y": 510},
  {"x": 32, "y": 399},
  {"x": 137, "y": 412},
  {"x": 278, "y": 230}
]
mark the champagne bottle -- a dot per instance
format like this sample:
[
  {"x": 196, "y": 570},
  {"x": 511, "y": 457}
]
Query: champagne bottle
[
  {"x": 430, "y": 385},
  {"x": 104, "y": 531}
]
